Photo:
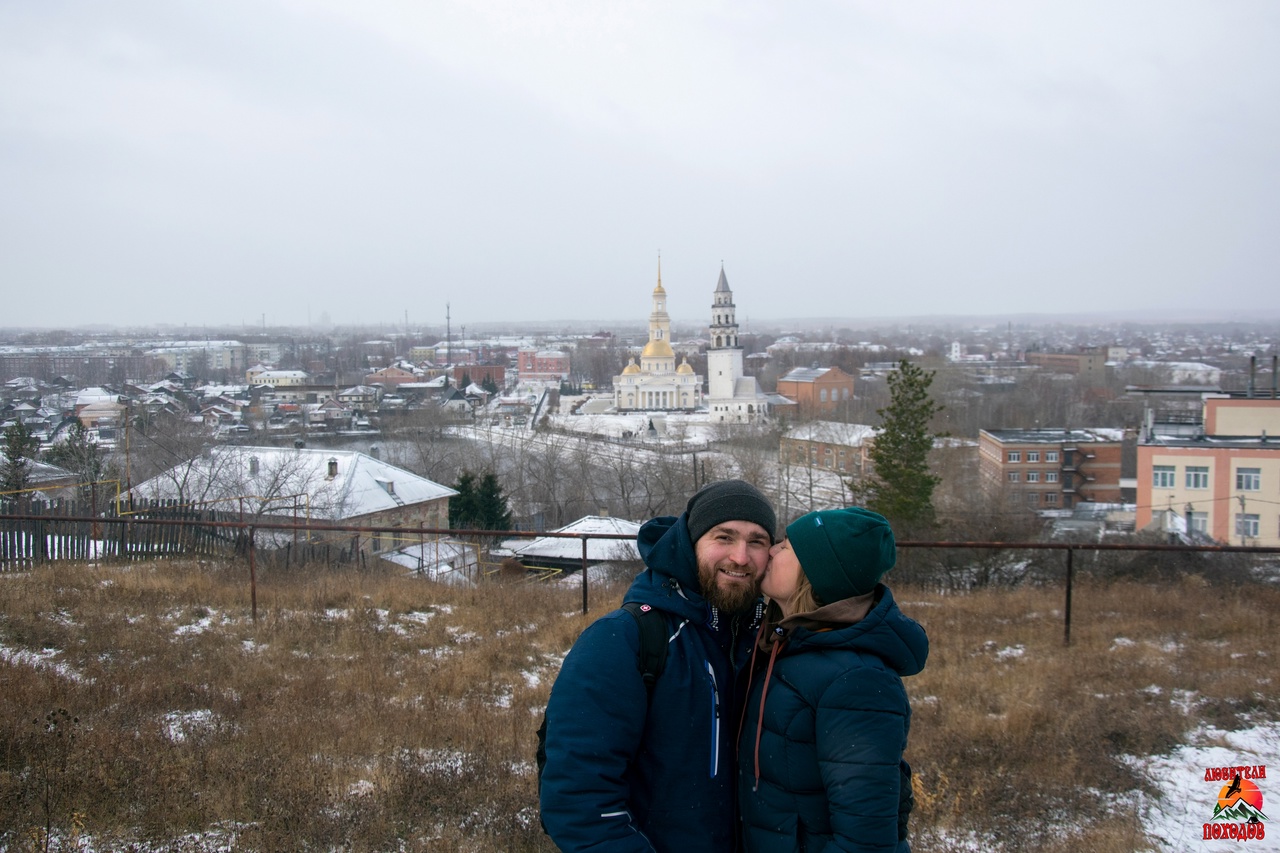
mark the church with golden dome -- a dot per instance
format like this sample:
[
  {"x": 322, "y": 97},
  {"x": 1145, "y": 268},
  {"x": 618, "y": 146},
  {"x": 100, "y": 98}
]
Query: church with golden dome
[{"x": 656, "y": 383}]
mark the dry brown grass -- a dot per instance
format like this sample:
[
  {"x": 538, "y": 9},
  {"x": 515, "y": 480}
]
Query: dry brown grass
[
  {"x": 1016, "y": 737},
  {"x": 371, "y": 711}
]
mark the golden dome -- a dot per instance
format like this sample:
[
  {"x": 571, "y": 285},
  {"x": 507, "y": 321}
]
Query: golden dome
[
  {"x": 631, "y": 368},
  {"x": 684, "y": 367},
  {"x": 658, "y": 349}
]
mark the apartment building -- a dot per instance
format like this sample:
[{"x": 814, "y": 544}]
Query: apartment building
[
  {"x": 1052, "y": 468},
  {"x": 1089, "y": 362},
  {"x": 1223, "y": 482},
  {"x": 542, "y": 364}
]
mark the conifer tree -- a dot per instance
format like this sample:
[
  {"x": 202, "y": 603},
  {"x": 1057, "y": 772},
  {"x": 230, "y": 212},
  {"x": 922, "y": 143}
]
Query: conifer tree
[
  {"x": 462, "y": 506},
  {"x": 479, "y": 504},
  {"x": 901, "y": 487},
  {"x": 20, "y": 447},
  {"x": 491, "y": 504},
  {"x": 79, "y": 454}
]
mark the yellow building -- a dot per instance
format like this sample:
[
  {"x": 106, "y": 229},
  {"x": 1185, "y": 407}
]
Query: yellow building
[
  {"x": 656, "y": 384},
  {"x": 1221, "y": 482}
]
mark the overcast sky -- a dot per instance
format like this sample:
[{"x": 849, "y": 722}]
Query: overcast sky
[{"x": 234, "y": 161}]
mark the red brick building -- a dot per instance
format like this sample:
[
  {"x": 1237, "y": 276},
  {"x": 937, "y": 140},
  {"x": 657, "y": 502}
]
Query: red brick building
[
  {"x": 816, "y": 390},
  {"x": 478, "y": 373},
  {"x": 542, "y": 364},
  {"x": 1052, "y": 468}
]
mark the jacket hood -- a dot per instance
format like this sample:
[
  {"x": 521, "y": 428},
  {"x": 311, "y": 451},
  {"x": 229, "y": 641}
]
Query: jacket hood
[
  {"x": 670, "y": 579},
  {"x": 885, "y": 632}
]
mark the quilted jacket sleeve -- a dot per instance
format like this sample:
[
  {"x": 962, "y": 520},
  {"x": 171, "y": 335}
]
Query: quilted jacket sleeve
[
  {"x": 861, "y": 729},
  {"x": 595, "y": 723}
]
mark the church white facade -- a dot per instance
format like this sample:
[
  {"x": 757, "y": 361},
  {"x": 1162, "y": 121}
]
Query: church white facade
[{"x": 657, "y": 384}]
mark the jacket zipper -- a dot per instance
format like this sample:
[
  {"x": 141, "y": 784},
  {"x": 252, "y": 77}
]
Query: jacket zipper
[{"x": 715, "y": 721}]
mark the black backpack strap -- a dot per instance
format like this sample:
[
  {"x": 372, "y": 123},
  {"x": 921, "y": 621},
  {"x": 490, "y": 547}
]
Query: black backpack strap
[
  {"x": 906, "y": 799},
  {"x": 652, "y": 659}
]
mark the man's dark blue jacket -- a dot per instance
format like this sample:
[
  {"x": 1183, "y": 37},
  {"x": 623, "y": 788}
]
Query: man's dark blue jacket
[{"x": 631, "y": 772}]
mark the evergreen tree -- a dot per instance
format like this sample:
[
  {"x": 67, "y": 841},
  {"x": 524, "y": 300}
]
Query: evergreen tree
[
  {"x": 20, "y": 447},
  {"x": 479, "y": 504},
  {"x": 490, "y": 386},
  {"x": 462, "y": 506},
  {"x": 491, "y": 504},
  {"x": 80, "y": 455},
  {"x": 901, "y": 487}
]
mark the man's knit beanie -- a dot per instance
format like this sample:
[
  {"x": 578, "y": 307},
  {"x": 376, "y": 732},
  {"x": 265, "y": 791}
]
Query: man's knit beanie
[
  {"x": 843, "y": 552},
  {"x": 728, "y": 500}
]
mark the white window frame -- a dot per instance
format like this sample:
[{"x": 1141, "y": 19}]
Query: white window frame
[
  {"x": 1033, "y": 455},
  {"x": 1051, "y": 476},
  {"x": 1248, "y": 524},
  {"x": 1015, "y": 455},
  {"x": 1051, "y": 456},
  {"x": 1197, "y": 477},
  {"x": 1248, "y": 479},
  {"x": 1033, "y": 476},
  {"x": 1164, "y": 476},
  {"x": 1014, "y": 476}
]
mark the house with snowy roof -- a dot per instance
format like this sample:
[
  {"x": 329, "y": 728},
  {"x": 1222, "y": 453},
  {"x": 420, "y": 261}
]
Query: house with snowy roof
[
  {"x": 305, "y": 484},
  {"x": 828, "y": 444},
  {"x": 563, "y": 553}
]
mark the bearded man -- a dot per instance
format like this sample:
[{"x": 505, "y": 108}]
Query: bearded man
[{"x": 631, "y": 768}]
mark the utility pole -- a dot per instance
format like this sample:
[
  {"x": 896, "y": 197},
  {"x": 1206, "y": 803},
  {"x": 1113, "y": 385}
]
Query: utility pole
[{"x": 1243, "y": 523}]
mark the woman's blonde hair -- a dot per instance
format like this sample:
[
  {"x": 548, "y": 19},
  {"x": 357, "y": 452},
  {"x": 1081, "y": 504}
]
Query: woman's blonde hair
[{"x": 804, "y": 601}]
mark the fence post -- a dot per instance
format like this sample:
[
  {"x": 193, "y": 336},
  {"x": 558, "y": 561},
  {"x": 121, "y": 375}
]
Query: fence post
[
  {"x": 584, "y": 574},
  {"x": 1066, "y": 619},
  {"x": 253, "y": 580}
]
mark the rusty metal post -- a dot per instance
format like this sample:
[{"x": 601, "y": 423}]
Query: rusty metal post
[
  {"x": 584, "y": 573},
  {"x": 1066, "y": 618},
  {"x": 253, "y": 579}
]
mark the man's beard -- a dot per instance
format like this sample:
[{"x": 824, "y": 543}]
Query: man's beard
[{"x": 738, "y": 598}]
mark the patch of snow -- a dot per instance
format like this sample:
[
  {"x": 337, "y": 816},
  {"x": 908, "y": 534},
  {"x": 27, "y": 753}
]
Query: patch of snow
[
  {"x": 361, "y": 788},
  {"x": 1011, "y": 652},
  {"x": 42, "y": 660},
  {"x": 201, "y": 625},
  {"x": 1174, "y": 818},
  {"x": 179, "y": 725},
  {"x": 460, "y": 636},
  {"x": 1184, "y": 700},
  {"x": 1121, "y": 643}
]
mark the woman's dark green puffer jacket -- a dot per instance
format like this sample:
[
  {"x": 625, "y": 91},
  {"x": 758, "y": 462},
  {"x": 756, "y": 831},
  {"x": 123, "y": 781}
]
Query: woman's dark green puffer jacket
[{"x": 819, "y": 765}]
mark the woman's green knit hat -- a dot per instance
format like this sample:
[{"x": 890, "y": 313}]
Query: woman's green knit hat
[{"x": 843, "y": 552}]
